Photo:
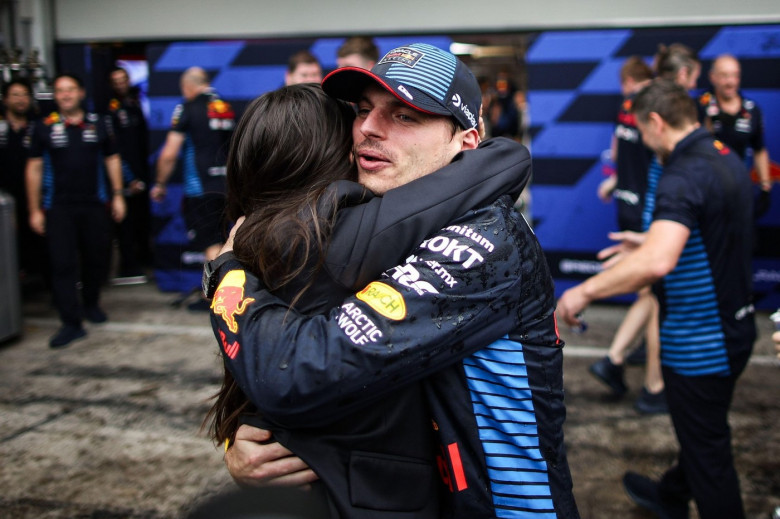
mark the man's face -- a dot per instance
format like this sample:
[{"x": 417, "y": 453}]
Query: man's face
[
  {"x": 18, "y": 100},
  {"x": 725, "y": 76},
  {"x": 120, "y": 82},
  {"x": 395, "y": 144},
  {"x": 304, "y": 73},
  {"x": 68, "y": 94},
  {"x": 688, "y": 77},
  {"x": 354, "y": 60}
]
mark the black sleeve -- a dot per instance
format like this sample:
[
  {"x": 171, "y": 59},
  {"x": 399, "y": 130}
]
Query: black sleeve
[
  {"x": 445, "y": 302},
  {"x": 373, "y": 236}
]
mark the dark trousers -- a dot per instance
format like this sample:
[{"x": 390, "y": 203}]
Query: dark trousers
[
  {"x": 78, "y": 238},
  {"x": 705, "y": 470}
]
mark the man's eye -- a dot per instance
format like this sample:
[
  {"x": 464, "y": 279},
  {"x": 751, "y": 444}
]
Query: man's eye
[{"x": 405, "y": 118}]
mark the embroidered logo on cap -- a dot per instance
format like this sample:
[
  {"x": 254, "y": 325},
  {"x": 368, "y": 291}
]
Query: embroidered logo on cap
[{"x": 404, "y": 56}]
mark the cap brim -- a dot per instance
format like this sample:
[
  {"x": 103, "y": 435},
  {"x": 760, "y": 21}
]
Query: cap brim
[{"x": 349, "y": 83}]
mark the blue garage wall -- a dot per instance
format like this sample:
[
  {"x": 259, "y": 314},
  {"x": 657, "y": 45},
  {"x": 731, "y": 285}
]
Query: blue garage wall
[{"x": 574, "y": 94}]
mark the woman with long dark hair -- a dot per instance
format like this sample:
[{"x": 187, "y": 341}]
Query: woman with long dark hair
[{"x": 312, "y": 235}]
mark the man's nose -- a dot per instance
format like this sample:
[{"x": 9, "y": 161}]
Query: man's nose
[{"x": 373, "y": 124}]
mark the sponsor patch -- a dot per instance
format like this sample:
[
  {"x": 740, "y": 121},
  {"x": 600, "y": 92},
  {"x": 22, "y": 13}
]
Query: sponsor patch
[
  {"x": 176, "y": 115},
  {"x": 404, "y": 56},
  {"x": 89, "y": 134},
  {"x": 53, "y": 118},
  {"x": 722, "y": 148},
  {"x": 409, "y": 276},
  {"x": 229, "y": 299},
  {"x": 384, "y": 299}
]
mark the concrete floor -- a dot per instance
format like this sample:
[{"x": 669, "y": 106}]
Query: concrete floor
[{"x": 110, "y": 426}]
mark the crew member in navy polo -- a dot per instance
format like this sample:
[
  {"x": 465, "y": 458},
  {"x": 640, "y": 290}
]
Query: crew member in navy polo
[
  {"x": 14, "y": 145},
  {"x": 201, "y": 129},
  {"x": 73, "y": 177},
  {"x": 132, "y": 135},
  {"x": 737, "y": 121},
  {"x": 697, "y": 251}
]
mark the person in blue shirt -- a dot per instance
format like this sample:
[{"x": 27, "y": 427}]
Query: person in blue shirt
[{"x": 697, "y": 254}]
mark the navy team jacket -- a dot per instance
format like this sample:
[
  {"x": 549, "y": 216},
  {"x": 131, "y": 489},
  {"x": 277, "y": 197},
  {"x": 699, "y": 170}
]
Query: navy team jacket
[{"x": 455, "y": 336}]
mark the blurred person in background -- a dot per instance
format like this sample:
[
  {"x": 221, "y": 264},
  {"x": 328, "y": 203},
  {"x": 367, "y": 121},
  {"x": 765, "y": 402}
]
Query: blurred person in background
[
  {"x": 200, "y": 132},
  {"x": 303, "y": 67},
  {"x": 15, "y": 123},
  {"x": 628, "y": 188},
  {"x": 737, "y": 121},
  {"x": 679, "y": 64},
  {"x": 697, "y": 252},
  {"x": 132, "y": 135},
  {"x": 73, "y": 155},
  {"x": 357, "y": 51}
]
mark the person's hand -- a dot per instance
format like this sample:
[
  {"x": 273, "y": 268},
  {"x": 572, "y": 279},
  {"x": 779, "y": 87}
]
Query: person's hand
[
  {"x": 606, "y": 187},
  {"x": 136, "y": 186},
  {"x": 763, "y": 202},
  {"x": 158, "y": 192},
  {"x": 571, "y": 305},
  {"x": 228, "y": 246},
  {"x": 38, "y": 222},
  {"x": 253, "y": 463},
  {"x": 118, "y": 208},
  {"x": 628, "y": 242},
  {"x": 776, "y": 338}
]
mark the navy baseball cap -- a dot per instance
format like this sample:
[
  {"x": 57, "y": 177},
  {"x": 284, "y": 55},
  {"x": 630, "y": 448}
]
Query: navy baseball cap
[{"x": 422, "y": 76}]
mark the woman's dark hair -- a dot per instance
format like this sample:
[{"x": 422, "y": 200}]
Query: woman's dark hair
[
  {"x": 669, "y": 60},
  {"x": 289, "y": 145}
]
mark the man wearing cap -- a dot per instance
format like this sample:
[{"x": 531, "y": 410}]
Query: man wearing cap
[{"x": 469, "y": 314}]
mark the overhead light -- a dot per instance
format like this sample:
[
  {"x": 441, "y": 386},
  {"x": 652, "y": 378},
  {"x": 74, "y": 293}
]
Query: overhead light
[
  {"x": 460, "y": 49},
  {"x": 482, "y": 51}
]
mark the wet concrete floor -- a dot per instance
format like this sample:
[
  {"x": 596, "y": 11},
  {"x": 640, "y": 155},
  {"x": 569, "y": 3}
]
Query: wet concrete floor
[{"x": 110, "y": 426}]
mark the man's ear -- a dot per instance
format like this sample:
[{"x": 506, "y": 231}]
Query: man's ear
[
  {"x": 656, "y": 119},
  {"x": 469, "y": 139}
]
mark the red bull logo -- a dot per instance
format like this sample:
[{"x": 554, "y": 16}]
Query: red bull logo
[{"x": 229, "y": 299}]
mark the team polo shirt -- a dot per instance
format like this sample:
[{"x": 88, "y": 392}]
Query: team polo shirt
[
  {"x": 129, "y": 124},
  {"x": 632, "y": 163},
  {"x": 73, "y": 158},
  {"x": 207, "y": 123},
  {"x": 739, "y": 131},
  {"x": 706, "y": 301}
]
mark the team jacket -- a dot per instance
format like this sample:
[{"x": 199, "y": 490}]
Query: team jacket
[
  {"x": 467, "y": 317},
  {"x": 707, "y": 313}
]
